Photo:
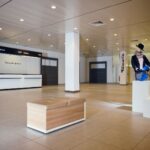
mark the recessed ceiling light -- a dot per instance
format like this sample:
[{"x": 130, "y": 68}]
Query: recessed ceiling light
[
  {"x": 87, "y": 39},
  {"x": 49, "y": 34},
  {"x": 75, "y": 28},
  {"x": 51, "y": 45},
  {"x": 21, "y": 19},
  {"x": 146, "y": 39},
  {"x": 28, "y": 40},
  {"x": 115, "y": 34},
  {"x": 111, "y": 19},
  {"x": 53, "y": 7},
  {"x": 1, "y": 29}
]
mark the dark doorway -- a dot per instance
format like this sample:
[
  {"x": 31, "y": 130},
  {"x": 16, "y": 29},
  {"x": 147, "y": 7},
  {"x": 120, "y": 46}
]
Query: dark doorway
[
  {"x": 98, "y": 72},
  {"x": 49, "y": 71}
]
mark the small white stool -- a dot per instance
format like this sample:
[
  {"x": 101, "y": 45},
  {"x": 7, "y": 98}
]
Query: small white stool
[{"x": 146, "y": 107}]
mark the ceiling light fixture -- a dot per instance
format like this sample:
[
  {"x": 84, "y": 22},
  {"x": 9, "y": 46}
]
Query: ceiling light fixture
[
  {"x": 146, "y": 39},
  {"x": 49, "y": 34},
  {"x": 21, "y": 19},
  {"x": 115, "y": 34},
  {"x": 1, "y": 29},
  {"x": 111, "y": 19},
  {"x": 53, "y": 7},
  {"x": 29, "y": 40},
  {"x": 87, "y": 39},
  {"x": 75, "y": 28}
]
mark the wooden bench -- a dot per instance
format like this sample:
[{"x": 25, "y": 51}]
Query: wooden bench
[{"x": 49, "y": 115}]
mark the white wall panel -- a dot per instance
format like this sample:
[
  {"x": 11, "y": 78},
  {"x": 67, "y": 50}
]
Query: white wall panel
[
  {"x": 83, "y": 69},
  {"x": 13, "y": 64}
]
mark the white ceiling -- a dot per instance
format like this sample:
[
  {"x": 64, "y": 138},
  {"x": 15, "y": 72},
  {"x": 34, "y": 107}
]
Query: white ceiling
[{"x": 132, "y": 23}]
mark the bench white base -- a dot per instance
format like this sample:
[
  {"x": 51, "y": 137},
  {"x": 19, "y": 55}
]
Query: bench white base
[{"x": 57, "y": 128}]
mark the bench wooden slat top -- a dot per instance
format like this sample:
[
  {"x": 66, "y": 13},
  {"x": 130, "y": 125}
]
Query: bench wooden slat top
[{"x": 53, "y": 103}]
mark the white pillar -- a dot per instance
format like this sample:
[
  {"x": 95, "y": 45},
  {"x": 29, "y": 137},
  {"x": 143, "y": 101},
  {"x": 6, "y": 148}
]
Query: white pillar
[
  {"x": 72, "y": 62},
  {"x": 123, "y": 68}
]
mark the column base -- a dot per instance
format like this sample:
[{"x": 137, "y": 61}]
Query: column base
[{"x": 72, "y": 91}]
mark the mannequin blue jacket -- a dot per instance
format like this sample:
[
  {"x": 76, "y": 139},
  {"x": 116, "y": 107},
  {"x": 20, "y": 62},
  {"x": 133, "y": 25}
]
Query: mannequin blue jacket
[{"x": 136, "y": 65}]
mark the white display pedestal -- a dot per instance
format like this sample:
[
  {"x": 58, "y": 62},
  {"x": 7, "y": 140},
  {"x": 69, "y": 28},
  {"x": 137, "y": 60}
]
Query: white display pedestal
[
  {"x": 146, "y": 107},
  {"x": 140, "y": 92}
]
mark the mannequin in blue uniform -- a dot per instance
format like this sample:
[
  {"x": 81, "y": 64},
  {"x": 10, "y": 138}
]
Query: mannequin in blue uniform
[{"x": 140, "y": 63}]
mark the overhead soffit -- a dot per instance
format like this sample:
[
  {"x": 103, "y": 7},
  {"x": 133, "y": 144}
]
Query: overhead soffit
[{"x": 132, "y": 22}]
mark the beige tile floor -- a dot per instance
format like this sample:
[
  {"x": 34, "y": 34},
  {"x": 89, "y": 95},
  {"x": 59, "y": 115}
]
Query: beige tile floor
[{"x": 110, "y": 124}]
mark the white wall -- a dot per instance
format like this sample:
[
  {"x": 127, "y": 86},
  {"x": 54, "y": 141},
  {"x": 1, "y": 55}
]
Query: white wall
[
  {"x": 116, "y": 68},
  {"x": 49, "y": 53},
  {"x": 15, "y": 64},
  {"x": 108, "y": 59},
  {"x": 83, "y": 69},
  {"x": 61, "y": 58},
  {"x": 61, "y": 64}
]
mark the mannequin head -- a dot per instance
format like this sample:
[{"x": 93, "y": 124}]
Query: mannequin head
[{"x": 139, "y": 48}]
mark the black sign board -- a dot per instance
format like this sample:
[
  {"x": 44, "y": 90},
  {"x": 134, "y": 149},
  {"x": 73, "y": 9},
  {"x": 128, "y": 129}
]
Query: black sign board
[{"x": 14, "y": 51}]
